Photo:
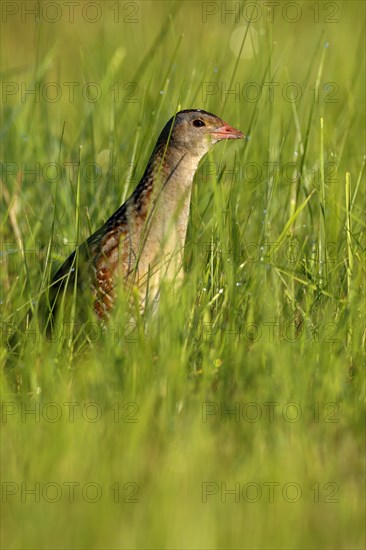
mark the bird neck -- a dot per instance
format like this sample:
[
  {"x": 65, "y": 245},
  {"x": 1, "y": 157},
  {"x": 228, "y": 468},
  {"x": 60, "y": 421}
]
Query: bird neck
[
  {"x": 165, "y": 187},
  {"x": 161, "y": 205}
]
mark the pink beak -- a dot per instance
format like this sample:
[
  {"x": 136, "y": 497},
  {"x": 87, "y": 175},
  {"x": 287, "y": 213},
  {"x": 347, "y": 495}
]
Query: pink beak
[{"x": 227, "y": 132}]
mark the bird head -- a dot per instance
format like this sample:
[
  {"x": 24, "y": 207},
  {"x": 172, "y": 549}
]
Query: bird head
[{"x": 195, "y": 130}]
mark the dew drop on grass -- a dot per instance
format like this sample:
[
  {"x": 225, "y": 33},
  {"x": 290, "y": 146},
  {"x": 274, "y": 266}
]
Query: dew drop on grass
[{"x": 244, "y": 42}]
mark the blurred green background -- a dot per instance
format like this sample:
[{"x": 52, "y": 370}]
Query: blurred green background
[{"x": 250, "y": 379}]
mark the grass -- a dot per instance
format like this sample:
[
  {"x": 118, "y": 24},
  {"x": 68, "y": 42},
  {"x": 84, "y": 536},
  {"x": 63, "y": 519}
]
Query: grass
[{"x": 235, "y": 418}]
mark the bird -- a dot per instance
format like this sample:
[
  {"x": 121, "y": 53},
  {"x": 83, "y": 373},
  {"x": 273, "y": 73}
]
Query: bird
[{"x": 143, "y": 241}]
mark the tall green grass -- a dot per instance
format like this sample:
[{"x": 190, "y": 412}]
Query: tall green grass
[{"x": 251, "y": 376}]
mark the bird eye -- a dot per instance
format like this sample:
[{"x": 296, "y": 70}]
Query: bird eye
[{"x": 198, "y": 122}]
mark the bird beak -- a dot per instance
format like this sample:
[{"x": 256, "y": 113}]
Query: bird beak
[{"x": 226, "y": 132}]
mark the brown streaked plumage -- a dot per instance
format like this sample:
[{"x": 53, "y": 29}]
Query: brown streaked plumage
[{"x": 143, "y": 240}]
